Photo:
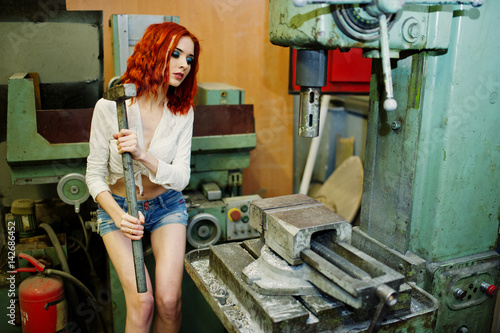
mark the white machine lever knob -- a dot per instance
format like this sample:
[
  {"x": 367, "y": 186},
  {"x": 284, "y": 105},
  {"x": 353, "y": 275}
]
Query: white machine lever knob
[{"x": 390, "y": 103}]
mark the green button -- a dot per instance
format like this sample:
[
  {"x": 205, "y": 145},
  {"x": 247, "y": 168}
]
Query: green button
[
  {"x": 244, "y": 208},
  {"x": 244, "y": 219}
]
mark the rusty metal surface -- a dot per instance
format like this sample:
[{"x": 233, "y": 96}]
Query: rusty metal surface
[
  {"x": 73, "y": 125},
  {"x": 278, "y": 296},
  {"x": 64, "y": 125},
  {"x": 223, "y": 303},
  {"x": 260, "y": 207},
  {"x": 271, "y": 275},
  {"x": 410, "y": 265},
  {"x": 223, "y": 120}
]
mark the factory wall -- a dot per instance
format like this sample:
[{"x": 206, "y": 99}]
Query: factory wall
[{"x": 236, "y": 51}]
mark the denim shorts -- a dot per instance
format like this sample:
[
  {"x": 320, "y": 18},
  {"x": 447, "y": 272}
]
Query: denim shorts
[{"x": 168, "y": 207}]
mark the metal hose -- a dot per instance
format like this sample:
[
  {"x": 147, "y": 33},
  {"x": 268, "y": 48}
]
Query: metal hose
[{"x": 57, "y": 245}]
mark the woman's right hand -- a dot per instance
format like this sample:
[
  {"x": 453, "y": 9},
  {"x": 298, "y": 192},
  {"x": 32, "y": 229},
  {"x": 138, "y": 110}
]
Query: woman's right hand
[
  {"x": 132, "y": 227},
  {"x": 127, "y": 141}
]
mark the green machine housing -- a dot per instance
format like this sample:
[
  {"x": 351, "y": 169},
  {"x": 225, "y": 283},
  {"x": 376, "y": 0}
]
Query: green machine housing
[
  {"x": 215, "y": 93},
  {"x": 431, "y": 172},
  {"x": 38, "y": 153}
]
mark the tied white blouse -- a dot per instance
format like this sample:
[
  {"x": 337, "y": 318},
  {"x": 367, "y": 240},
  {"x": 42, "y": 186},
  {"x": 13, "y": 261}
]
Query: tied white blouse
[{"x": 171, "y": 145}]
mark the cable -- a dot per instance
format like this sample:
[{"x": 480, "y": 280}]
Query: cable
[
  {"x": 72, "y": 296},
  {"x": 57, "y": 245},
  {"x": 80, "y": 285},
  {"x": 85, "y": 234},
  {"x": 80, "y": 245}
]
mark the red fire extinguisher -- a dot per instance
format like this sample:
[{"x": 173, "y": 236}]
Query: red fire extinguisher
[{"x": 42, "y": 301}]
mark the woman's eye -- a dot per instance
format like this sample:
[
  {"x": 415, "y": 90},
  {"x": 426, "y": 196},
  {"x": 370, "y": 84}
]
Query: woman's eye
[
  {"x": 175, "y": 54},
  {"x": 189, "y": 60}
]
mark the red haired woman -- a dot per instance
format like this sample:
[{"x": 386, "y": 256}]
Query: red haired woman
[{"x": 163, "y": 68}]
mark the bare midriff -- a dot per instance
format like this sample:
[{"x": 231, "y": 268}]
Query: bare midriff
[{"x": 150, "y": 190}]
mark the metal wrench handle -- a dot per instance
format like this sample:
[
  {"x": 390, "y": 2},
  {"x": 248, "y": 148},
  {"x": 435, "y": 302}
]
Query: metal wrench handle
[
  {"x": 119, "y": 95},
  {"x": 388, "y": 298},
  {"x": 128, "y": 173}
]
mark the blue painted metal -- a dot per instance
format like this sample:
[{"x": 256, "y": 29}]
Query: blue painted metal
[
  {"x": 437, "y": 177},
  {"x": 457, "y": 179},
  {"x": 432, "y": 186}
]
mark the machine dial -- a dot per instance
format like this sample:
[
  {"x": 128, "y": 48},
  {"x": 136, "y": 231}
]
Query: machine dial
[
  {"x": 359, "y": 20},
  {"x": 73, "y": 190},
  {"x": 368, "y": 23},
  {"x": 358, "y": 24},
  {"x": 203, "y": 230}
]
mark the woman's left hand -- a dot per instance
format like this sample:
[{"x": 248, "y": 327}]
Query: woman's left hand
[{"x": 127, "y": 141}]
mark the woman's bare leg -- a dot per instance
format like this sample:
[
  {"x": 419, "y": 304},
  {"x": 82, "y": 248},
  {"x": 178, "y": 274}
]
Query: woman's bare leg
[
  {"x": 140, "y": 306},
  {"x": 169, "y": 247}
]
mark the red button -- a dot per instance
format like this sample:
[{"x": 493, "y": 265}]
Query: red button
[
  {"x": 235, "y": 215},
  {"x": 146, "y": 205},
  {"x": 491, "y": 290}
]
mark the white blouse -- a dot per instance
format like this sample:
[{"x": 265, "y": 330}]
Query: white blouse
[{"x": 171, "y": 145}]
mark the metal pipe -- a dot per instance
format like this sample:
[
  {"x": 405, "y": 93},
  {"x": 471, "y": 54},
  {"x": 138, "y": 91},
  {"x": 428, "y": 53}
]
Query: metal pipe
[
  {"x": 387, "y": 295},
  {"x": 313, "y": 149},
  {"x": 128, "y": 173}
]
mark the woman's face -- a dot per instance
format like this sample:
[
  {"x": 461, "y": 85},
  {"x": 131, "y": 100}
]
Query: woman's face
[{"x": 180, "y": 61}]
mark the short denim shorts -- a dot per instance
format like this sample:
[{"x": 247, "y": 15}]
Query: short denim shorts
[{"x": 168, "y": 207}]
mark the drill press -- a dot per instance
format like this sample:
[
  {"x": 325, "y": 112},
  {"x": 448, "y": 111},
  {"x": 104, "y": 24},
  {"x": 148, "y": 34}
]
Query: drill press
[{"x": 430, "y": 203}]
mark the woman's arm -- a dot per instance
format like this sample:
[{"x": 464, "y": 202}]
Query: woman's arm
[
  {"x": 98, "y": 159},
  {"x": 97, "y": 170}
]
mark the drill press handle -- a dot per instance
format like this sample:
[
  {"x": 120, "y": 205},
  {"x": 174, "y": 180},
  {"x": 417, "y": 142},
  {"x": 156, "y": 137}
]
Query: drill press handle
[{"x": 390, "y": 103}]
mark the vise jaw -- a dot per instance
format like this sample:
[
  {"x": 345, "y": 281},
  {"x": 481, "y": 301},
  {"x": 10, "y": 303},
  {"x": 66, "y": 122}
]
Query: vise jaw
[
  {"x": 287, "y": 223},
  {"x": 315, "y": 242}
]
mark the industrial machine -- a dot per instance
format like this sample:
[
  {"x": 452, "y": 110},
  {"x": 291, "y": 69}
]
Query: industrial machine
[
  {"x": 424, "y": 256},
  {"x": 46, "y": 105},
  {"x": 217, "y": 210},
  {"x": 308, "y": 275},
  {"x": 48, "y": 123}
]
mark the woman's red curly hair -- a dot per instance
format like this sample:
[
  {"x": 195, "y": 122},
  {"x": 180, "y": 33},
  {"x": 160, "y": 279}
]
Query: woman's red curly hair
[{"x": 148, "y": 67}]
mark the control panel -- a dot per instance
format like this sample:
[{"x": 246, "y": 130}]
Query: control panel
[
  {"x": 471, "y": 290},
  {"x": 237, "y": 217}
]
